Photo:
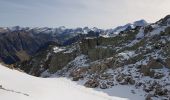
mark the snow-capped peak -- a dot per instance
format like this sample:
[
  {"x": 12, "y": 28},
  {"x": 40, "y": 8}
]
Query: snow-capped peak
[
  {"x": 15, "y": 28},
  {"x": 117, "y": 30},
  {"x": 140, "y": 23}
]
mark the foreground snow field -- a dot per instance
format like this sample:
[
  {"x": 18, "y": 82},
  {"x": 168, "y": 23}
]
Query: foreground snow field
[{"x": 20, "y": 86}]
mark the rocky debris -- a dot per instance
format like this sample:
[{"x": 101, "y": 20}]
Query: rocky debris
[
  {"x": 130, "y": 80},
  {"x": 148, "y": 88},
  {"x": 106, "y": 76},
  {"x": 119, "y": 78},
  {"x": 110, "y": 83},
  {"x": 123, "y": 82},
  {"x": 158, "y": 75},
  {"x": 77, "y": 78},
  {"x": 138, "y": 85},
  {"x": 92, "y": 83},
  {"x": 124, "y": 79},
  {"x": 160, "y": 91},
  {"x": 146, "y": 71},
  {"x": 78, "y": 73},
  {"x": 155, "y": 89},
  {"x": 98, "y": 68},
  {"x": 151, "y": 72},
  {"x": 103, "y": 86}
]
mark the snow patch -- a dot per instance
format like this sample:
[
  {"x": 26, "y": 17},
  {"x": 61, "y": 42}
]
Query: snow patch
[
  {"x": 57, "y": 49},
  {"x": 127, "y": 54}
]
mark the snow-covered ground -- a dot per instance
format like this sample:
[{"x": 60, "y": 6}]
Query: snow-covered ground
[{"x": 20, "y": 86}]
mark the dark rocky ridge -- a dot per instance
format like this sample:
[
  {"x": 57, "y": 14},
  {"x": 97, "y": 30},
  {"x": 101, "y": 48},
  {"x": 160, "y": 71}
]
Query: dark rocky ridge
[{"x": 21, "y": 45}]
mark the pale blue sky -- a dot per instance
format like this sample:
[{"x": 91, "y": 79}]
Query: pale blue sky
[{"x": 80, "y": 13}]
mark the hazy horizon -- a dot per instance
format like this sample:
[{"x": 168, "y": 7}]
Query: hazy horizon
[{"x": 80, "y": 13}]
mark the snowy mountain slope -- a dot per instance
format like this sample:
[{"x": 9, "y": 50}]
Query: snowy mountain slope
[{"x": 20, "y": 86}]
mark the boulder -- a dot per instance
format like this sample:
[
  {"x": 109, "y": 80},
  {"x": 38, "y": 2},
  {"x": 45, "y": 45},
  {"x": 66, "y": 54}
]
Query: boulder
[
  {"x": 92, "y": 83},
  {"x": 77, "y": 78},
  {"x": 155, "y": 64},
  {"x": 131, "y": 81},
  {"x": 110, "y": 83},
  {"x": 106, "y": 76},
  {"x": 123, "y": 82},
  {"x": 146, "y": 71},
  {"x": 78, "y": 72},
  {"x": 103, "y": 86},
  {"x": 119, "y": 78},
  {"x": 158, "y": 75},
  {"x": 98, "y": 68}
]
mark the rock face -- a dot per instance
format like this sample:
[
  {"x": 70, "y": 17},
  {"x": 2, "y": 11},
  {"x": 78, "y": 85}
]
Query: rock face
[{"x": 47, "y": 59}]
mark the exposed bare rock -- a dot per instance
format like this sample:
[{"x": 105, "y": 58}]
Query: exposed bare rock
[
  {"x": 92, "y": 83},
  {"x": 160, "y": 91},
  {"x": 167, "y": 63},
  {"x": 103, "y": 86},
  {"x": 110, "y": 83},
  {"x": 158, "y": 75},
  {"x": 146, "y": 71},
  {"x": 155, "y": 64},
  {"x": 119, "y": 78}
]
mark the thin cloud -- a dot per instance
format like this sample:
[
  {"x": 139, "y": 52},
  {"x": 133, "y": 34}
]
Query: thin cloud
[{"x": 80, "y": 13}]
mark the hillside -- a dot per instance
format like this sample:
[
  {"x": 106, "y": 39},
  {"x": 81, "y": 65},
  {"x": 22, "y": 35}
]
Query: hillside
[{"x": 133, "y": 56}]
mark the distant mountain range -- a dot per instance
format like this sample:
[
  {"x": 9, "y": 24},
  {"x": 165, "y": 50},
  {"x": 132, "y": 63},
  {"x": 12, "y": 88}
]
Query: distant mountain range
[{"x": 22, "y": 42}]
